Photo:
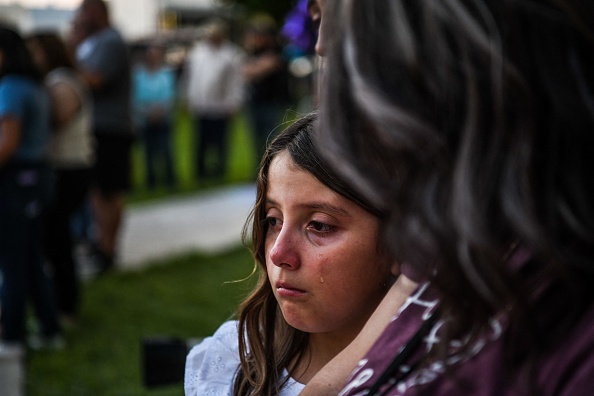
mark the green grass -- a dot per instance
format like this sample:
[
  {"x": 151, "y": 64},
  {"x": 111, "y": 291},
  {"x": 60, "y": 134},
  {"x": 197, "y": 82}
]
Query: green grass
[{"x": 185, "y": 297}]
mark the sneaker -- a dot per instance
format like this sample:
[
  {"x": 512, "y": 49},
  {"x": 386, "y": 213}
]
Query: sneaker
[
  {"x": 38, "y": 342},
  {"x": 12, "y": 348},
  {"x": 103, "y": 262},
  {"x": 68, "y": 321},
  {"x": 96, "y": 263}
]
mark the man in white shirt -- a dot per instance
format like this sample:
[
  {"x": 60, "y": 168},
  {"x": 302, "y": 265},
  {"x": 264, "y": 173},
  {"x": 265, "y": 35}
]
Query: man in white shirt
[{"x": 214, "y": 93}]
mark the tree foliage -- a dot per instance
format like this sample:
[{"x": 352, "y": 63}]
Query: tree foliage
[{"x": 278, "y": 9}]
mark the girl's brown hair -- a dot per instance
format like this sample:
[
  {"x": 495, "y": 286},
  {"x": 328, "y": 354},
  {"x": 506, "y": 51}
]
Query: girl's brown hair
[{"x": 267, "y": 344}]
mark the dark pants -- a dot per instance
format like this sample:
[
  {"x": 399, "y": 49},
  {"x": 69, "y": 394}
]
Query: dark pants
[
  {"x": 112, "y": 172},
  {"x": 211, "y": 153},
  {"x": 24, "y": 195},
  {"x": 71, "y": 191},
  {"x": 157, "y": 152},
  {"x": 266, "y": 124}
]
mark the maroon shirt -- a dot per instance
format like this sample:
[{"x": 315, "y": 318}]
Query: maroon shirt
[{"x": 568, "y": 369}]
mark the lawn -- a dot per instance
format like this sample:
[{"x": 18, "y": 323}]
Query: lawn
[{"x": 186, "y": 297}]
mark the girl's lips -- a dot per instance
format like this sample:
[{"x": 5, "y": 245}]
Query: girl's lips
[{"x": 286, "y": 290}]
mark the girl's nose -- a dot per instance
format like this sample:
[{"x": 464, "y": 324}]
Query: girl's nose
[{"x": 284, "y": 252}]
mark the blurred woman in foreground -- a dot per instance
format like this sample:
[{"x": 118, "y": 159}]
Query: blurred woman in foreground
[{"x": 471, "y": 124}]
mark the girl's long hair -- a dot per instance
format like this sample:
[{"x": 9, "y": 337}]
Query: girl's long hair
[
  {"x": 484, "y": 111},
  {"x": 267, "y": 344}
]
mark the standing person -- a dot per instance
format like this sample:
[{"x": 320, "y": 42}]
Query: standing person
[
  {"x": 454, "y": 117},
  {"x": 71, "y": 154},
  {"x": 104, "y": 63},
  {"x": 25, "y": 190},
  {"x": 267, "y": 80},
  {"x": 214, "y": 94},
  {"x": 154, "y": 98},
  {"x": 313, "y": 239}
]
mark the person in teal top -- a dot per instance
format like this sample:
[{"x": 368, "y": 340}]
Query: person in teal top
[
  {"x": 154, "y": 91},
  {"x": 25, "y": 190},
  {"x": 20, "y": 98}
]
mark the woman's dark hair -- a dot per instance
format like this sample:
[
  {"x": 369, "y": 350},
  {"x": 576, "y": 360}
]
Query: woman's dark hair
[
  {"x": 472, "y": 124},
  {"x": 16, "y": 56},
  {"x": 267, "y": 344},
  {"x": 55, "y": 50}
]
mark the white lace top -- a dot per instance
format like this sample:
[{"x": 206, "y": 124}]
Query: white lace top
[{"x": 212, "y": 364}]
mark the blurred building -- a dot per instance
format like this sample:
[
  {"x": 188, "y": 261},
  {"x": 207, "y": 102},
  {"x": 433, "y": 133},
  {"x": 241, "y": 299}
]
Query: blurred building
[
  {"x": 27, "y": 19},
  {"x": 136, "y": 19}
]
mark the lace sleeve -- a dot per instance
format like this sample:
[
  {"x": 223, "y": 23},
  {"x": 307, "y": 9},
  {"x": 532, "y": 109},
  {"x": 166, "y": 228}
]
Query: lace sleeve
[{"x": 212, "y": 364}]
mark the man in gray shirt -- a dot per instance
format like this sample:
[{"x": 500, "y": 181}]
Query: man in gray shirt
[{"x": 104, "y": 63}]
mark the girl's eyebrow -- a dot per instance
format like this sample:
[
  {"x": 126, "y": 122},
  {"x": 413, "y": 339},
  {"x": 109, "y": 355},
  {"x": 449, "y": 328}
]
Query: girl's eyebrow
[
  {"x": 321, "y": 206},
  {"x": 326, "y": 207}
]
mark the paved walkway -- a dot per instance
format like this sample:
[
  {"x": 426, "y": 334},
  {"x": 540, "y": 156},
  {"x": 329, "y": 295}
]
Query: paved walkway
[{"x": 209, "y": 222}]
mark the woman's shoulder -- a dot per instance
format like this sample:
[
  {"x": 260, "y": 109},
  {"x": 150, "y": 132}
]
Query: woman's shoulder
[
  {"x": 65, "y": 75},
  {"x": 211, "y": 365},
  {"x": 60, "y": 74},
  {"x": 570, "y": 365}
]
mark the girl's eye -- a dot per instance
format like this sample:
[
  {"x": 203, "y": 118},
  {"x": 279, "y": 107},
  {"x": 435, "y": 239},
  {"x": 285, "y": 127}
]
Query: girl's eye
[
  {"x": 272, "y": 221},
  {"x": 320, "y": 227}
]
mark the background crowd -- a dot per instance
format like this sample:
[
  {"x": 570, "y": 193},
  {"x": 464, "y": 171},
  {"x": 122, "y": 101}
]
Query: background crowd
[
  {"x": 443, "y": 193},
  {"x": 74, "y": 109}
]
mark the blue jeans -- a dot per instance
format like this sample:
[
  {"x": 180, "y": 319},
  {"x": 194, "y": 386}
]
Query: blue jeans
[
  {"x": 157, "y": 153},
  {"x": 25, "y": 191},
  {"x": 70, "y": 192}
]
